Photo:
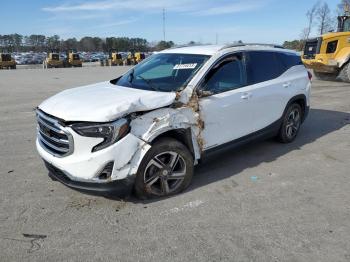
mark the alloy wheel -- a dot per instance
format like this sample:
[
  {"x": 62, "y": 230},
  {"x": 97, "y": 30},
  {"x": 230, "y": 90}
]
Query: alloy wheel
[
  {"x": 165, "y": 173},
  {"x": 293, "y": 123}
]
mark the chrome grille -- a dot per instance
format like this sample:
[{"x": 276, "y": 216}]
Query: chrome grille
[{"x": 52, "y": 136}]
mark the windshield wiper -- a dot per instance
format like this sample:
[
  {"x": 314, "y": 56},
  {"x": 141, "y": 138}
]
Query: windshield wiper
[{"x": 149, "y": 83}]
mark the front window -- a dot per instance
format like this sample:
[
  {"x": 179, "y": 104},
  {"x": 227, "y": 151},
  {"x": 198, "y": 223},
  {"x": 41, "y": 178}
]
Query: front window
[
  {"x": 163, "y": 72},
  {"x": 5, "y": 57},
  {"x": 228, "y": 75},
  {"x": 55, "y": 57}
]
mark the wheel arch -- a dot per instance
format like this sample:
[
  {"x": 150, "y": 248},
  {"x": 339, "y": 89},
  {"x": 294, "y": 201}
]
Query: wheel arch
[
  {"x": 300, "y": 100},
  {"x": 183, "y": 135},
  {"x": 344, "y": 62}
]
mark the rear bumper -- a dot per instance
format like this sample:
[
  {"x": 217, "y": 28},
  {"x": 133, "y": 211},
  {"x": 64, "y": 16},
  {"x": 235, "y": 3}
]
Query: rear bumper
[{"x": 119, "y": 188}]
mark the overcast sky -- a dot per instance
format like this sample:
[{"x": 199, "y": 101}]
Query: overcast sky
[{"x": 199, "y": 20}]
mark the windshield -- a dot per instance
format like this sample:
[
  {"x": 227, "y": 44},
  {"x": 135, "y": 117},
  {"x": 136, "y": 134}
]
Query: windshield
[
  {"x": 6, "y": 57},
  {"x": 163, "y": 72},
  {"x": 55, "y": 57}
]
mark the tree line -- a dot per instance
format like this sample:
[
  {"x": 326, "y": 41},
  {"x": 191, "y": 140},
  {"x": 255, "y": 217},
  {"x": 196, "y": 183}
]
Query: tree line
[
  {"x": 321, "y": 19},
  {"x": 42, "y": 43}
]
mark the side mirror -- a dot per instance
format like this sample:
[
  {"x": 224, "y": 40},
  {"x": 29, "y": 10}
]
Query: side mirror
[{"x": 204, "y": 93}]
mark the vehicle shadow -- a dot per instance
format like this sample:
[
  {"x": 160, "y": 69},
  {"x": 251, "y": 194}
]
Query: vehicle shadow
[{"x": 232, "y": 162}]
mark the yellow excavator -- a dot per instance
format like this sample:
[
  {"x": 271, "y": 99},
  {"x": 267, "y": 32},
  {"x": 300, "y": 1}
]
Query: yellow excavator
[
  {"x": 329, "y": 54},
  {"x": 134, "y": 58},
  {"x": 6, "y": 61},
  {"x": 129, "y": 59},
  {"x": 72, "y": 59},
  {"x": 139, "y": 57},
  {"x": 115, "y": 59},
  {"x": 53, "y": 60}
]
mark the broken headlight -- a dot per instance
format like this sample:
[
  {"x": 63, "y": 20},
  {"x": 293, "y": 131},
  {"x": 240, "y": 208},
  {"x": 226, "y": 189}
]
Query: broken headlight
[{"x": 110, "y": 132}]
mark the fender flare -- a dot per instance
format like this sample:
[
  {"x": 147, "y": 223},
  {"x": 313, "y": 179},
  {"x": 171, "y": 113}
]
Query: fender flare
[{"x": 344, "y": 62}]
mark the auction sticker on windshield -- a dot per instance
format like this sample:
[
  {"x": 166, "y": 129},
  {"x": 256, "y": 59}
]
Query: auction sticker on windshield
[{"x": 185, "y": 66}]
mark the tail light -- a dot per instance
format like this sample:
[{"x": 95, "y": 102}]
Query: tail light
[{"x": 310, "y": 75}]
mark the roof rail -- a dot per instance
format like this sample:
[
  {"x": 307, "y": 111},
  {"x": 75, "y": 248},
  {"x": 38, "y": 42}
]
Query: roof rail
[
  {"x": 185, "y": 45},
  {"x": 251, "y": 44}
]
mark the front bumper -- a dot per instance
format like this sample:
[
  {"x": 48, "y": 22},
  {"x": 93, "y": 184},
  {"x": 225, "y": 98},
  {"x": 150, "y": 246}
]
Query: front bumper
[
  {"x": 120, "y": 188},
  {"x": 83, "y": 165},
  {"x": 321, "y": 66}
]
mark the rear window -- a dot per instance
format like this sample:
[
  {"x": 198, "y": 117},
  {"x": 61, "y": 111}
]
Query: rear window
[{"x": 263, "y": 66}]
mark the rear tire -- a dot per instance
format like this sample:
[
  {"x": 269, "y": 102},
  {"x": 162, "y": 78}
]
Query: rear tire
[
  {"x": 292, "y": 120},
  {"x": 325, "y": 76},
  {"x": 167, "y": 169},
  {"x": 344, "y": 74}
]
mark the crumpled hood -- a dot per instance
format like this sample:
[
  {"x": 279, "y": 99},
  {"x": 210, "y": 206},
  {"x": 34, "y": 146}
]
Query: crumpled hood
[{"x": 103, "y": 102}]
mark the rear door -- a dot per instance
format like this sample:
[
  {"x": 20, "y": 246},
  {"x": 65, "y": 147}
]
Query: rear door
[{"x": 270, "y": 88}]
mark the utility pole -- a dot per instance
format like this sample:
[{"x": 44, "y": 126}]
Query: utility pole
[{"x": 164, "y": 24}]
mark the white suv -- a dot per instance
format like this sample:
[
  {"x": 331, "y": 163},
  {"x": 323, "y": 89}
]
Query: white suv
[{"x": 148, "y": 128}]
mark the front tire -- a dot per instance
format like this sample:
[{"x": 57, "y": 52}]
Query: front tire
[
  {"x": 167, "y": 169},
  {"x": 291, "y": 124},
  {"x": 344, "y": 74}
]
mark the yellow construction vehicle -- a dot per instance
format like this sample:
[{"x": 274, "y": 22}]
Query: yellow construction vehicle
[
  {"x": 72, "y": 59},
  {"x": 6, "y": 61},
  {"x": 53, "y": 60},
  {"x": 139, "y": 57},
  {"x": 115, "y": 59},
  {"x": 129, "y": 59},
  {"x": 329, "y": 54}
]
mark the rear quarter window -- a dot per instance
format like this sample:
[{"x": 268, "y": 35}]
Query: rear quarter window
[
  {"x": 263, "y": 66},
  {"x": 289, "y": 60}
]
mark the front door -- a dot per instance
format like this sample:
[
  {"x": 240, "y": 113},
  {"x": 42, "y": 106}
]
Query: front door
[{"x": 225, "y": 102}]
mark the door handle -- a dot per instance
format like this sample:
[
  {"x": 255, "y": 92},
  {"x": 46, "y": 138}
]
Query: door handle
[
  {"x": 286, "y": 85},
  {"x": 246, "y": 96}
]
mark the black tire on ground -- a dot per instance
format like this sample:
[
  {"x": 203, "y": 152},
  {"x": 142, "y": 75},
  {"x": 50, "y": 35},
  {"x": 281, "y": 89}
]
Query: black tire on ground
[
  {"x": 344, "y": 74},
  {"x": 325, "y": 76},
  {"x": 13, "y": 67},
  {"x": 290, "y": 127},
  {"x": 167, "y": 169}
]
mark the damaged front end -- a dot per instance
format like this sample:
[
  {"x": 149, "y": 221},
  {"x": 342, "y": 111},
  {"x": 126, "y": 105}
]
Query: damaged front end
[{"x": 114, "y": 124}]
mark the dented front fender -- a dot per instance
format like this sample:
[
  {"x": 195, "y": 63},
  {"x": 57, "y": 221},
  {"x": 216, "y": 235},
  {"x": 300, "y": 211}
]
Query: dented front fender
[{"x": 153, "y": 124}]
